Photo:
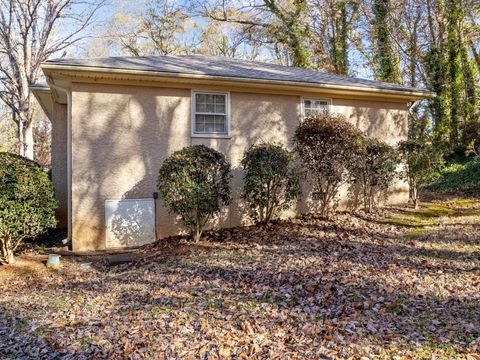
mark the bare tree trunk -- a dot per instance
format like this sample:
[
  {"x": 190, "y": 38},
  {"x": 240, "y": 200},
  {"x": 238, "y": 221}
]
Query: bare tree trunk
[
  {"x": 197, "y": 235},
  {"x": 28, "y": 142},
  {"x": 365, "y": 196},
  {"x": 10, "y": 257},
  {"x": 21, "y": 137},
  {"x": 371, "y": 200},
  {"x": 6, "y": 252},
  {"x": 324, "y": 205},
  {"x": 197, "y": 228},
  {"x": 25, "y": 133},
  {"x": 414, "y": 196}
]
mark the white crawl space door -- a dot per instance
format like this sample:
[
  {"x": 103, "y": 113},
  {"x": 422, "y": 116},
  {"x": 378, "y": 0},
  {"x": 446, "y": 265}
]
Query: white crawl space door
[{"x": 129, "y": 222}]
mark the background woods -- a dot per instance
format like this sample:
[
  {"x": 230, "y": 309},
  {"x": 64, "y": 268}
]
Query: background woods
[
  {"x": 426, "y": 43},
  {"x": 29, "y": 35}
]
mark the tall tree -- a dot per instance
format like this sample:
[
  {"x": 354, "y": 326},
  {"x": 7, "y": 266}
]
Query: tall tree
[
  {"x": 387, "y": 62},
  {"x": 282, "y": 24},
  {"x": 435, "y": 60},
  {"x": 408, "y": 22},
  {"x": 471, "y": 69},
  {"x": 27, "y": 38},
  {"x": 339, "y": 40},
  {"x": 331, "y": 23},
  {"x": 452, "y": 74},
  {"x": 162, "y": 22},
  {"x": 159, "y": 27},
  {"x": 455, "y": 76},
  {"x": 291, "y": 29},
  {"x": 227, "y": 39}
]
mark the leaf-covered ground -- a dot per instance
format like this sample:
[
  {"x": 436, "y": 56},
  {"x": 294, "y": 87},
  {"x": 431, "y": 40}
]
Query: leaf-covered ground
[{"x": 401, "y": 284}]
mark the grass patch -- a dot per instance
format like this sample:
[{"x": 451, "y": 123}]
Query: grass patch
[
  {"x": 40, "y": 331},
  {"x": 417, "y": 232},
  {"x": 467, "y": 202},
  {"x": 441, "y": 351},
  {"x": 57, "y": 302},
  {"x": 420, "y": 219},
  {"x": 434, "y": 211},
  {"x": 412, "y": 221},
  {"x": 429, "y": 215}
]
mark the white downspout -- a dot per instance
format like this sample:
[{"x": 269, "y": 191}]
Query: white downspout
[{"x": 69, "y": 156}]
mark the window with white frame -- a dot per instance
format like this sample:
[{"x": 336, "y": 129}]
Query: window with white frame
[
  {"x": 315, "y": 106},
  {"x": 210, "y": 113}
]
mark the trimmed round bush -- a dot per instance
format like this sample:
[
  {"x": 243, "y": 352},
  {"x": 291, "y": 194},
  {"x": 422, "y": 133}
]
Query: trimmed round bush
[
  {"x": 271, "y": 181},
  {"x": 328, "y": 146},
  {"x": 194, "y": 183},
  {"x": 27, "y": 203}
]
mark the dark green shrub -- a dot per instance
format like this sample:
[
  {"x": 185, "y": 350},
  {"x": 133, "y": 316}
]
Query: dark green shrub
[
  {"x": 328, "y": 146},
  {"x": 195, "y": 183},
  {"x": 27, "y": 203},
  {"x": 374, "y": 170},
  {"x": 420, "y": 159},
  {"x": 271, "y": 180}
]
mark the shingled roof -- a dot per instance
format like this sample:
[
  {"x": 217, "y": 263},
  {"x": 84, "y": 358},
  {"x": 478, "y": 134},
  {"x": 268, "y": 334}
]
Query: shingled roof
[{"x": 223, "y": 67}]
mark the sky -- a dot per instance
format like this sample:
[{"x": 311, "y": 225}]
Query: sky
[{"x": 107, "y": 12}]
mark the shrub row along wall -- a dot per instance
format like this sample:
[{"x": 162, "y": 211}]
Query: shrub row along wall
[
  {"x": 111, "y": 162},
  {"x": 194, "y": 182}
]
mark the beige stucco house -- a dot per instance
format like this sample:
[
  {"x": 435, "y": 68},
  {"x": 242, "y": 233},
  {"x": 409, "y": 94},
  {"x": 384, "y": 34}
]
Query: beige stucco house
[{"x": 115, "y": 120}]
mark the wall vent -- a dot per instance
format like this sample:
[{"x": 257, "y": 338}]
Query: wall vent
[{"x": 129, "y": 222}]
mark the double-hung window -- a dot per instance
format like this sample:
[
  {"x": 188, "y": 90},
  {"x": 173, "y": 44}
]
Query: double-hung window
[
  {"x": 315, "y": 106},
  {"x": 210, "y": 113}
]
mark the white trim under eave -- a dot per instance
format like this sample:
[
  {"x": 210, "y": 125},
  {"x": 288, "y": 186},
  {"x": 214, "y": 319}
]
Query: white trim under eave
[
  {"x": 68, "y": 93},
  {"x": 38, "y": 91}
]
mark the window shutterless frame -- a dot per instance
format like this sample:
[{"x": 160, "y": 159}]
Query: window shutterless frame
[
  {"x": 302, "y": 105},
  {"x": 194, "y": 133}
]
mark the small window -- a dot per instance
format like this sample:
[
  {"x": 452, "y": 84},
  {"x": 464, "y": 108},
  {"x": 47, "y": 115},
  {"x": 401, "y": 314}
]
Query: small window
[
  {"x": 210, "y": 113},
  {"x": 315, "y": 106}
]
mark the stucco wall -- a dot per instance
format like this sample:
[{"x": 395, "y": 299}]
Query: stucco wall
[
  {"x": 122, "y": 134},
  {"x": 384, "y": 120},
  {"x": 59, "y": 161},
  {"x": 381, "y": 119}
]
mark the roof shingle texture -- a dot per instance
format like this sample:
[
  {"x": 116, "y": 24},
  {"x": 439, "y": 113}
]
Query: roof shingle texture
[{"x": 228, "y": 67}]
